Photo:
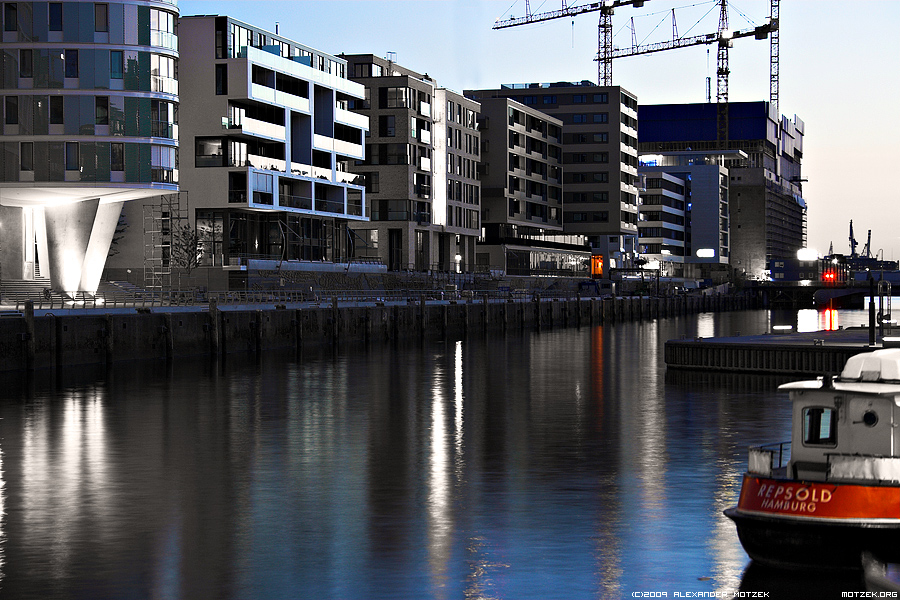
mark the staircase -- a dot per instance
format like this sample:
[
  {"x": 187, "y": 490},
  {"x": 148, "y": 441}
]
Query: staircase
[{"x": 13, "y": 291}]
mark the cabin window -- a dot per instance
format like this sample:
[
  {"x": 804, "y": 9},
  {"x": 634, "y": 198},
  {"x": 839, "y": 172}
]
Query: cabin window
[{"x": 819, "y": 426}]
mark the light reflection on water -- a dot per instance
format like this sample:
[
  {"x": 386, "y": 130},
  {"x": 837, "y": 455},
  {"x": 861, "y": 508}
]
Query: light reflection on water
[{"x": 567, "y": 464}]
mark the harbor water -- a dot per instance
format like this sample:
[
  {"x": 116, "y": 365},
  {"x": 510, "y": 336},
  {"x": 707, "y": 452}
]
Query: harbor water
[{"x": 565, "y": 463}]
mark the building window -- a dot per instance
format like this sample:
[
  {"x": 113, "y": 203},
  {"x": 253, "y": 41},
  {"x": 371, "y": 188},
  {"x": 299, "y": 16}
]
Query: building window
[
  {"x": 601, "y": 118},
  {"x": 12, "y": 110},
  {"x": 579, "y": 118},
  {"x": 549, "y": 99},
  {"x": 26, "y": 154},
  {"x": 57, "y": 111},
  {"x": 602, "y": 98},
  {"x": 116, "y": 64},
  {"x": 221, "y": 79},
  {"x": 71, "y": 63},
  {"x": 55, "y": 18},
  {"x": 209, "y": 153},
  {"x": 819, "y": 426},
  {"x": 373, "y": 182},
  {"x": 10, "y": 16},
  {"x": 101, "y": 17},
  {"x": 101, "y": 105},
  {"x": 26, "y": 67},
  {"x": 117, "y": 156},
  {"x": 73, "y": 161},
  {"x": 387, "y": 126}
]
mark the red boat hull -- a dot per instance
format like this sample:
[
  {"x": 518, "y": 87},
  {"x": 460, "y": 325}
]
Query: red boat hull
[{"x": 790, "y": 523}]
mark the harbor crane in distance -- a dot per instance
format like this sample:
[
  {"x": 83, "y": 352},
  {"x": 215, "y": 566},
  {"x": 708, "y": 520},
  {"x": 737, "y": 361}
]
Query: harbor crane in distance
[{"x": 724, "y": 37}]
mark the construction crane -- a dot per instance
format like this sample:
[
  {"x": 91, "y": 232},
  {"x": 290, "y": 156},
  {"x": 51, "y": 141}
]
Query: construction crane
[
  {"x": 723, "y": 37},
  {"x": 853, "y": 243},
  {"x": 867, "y": 249},
  {"x": 604, "y": 29}
]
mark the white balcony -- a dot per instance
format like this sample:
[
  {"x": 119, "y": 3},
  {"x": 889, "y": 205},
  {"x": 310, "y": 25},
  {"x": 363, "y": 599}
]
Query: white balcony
[
  {"x": 425, "y": 136},
  {"x": 273, "y": 96},
  {"x": 322, "y": 142},
  {"x": 351, "y": 118},
  {"x": 266, "y": 163},
  {"x": 262, "y": 128}
]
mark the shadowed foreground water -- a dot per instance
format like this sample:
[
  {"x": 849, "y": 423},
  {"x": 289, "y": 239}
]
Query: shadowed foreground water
[{"x": 561, "y": 464}]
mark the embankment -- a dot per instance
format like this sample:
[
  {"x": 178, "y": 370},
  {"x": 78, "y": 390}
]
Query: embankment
[{"x": 64, "y": 338}]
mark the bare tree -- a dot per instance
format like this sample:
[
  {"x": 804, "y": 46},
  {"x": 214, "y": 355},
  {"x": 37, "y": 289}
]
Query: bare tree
[{"x": 186, "y": 250}]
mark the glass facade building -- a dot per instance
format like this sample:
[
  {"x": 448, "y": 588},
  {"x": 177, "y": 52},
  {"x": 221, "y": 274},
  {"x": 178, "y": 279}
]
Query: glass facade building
[{"x": 90, "y": 120}]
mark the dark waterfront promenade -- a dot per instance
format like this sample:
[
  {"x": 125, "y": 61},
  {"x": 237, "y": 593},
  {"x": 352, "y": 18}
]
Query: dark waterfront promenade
[{"x": 36, "y": 338}]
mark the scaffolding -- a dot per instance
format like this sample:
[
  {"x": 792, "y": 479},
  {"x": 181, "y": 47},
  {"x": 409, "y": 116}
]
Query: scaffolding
[{"x": 160, "y": 220}]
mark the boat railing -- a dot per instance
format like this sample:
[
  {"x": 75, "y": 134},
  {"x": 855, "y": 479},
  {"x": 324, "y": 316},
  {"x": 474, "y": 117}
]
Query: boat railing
[
  {"x": 764, "y": 460},
  {"x": 884, "y": 469}
]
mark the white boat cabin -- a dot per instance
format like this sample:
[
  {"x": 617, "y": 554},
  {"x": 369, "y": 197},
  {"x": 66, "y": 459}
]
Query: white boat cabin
[{"x": 848, "y": 429}]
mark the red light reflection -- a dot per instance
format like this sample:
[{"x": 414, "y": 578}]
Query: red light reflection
[{"x": 828, "y": 320}]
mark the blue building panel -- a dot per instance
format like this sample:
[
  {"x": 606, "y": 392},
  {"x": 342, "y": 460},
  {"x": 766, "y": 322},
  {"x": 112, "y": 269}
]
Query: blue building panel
[{"x": 698, "y": 122}]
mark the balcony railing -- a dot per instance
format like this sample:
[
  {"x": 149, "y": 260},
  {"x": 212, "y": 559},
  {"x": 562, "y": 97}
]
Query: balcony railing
[
  {"x": 301, "y": 202},
  {"x": 237, "y": 197},
  {"x": 330, "y": 206}
]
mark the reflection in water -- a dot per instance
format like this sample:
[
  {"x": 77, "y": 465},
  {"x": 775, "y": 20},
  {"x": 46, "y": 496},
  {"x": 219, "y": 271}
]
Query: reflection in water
[
  {"x": 810, "y": 319},
  {"x": 2, "y": 519},
  {"x": 564, "y": 463}
]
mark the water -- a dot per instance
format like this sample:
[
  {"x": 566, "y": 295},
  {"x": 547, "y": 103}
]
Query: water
[{"x": 561, "y": 464}]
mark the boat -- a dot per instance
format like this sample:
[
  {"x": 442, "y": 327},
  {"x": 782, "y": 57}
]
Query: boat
[{"x": 831, "y": 493}]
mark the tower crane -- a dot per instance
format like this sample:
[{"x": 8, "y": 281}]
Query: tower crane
[{"x": 723, "y": 37}]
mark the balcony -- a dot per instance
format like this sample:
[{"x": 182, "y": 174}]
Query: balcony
[
  {"x": 328, "y": 144},
  {"x": 273, "y": 96},
  {"x": 423, "y": 190},
  {"x": 299, "y": 202},
  {"x": 330, "y": 206},
  {"x": 424, "y": 109},
  {"x": 266, "y": 163},
  {"x": 262, "y": 128},
  {"x": 351, "y": 118}
]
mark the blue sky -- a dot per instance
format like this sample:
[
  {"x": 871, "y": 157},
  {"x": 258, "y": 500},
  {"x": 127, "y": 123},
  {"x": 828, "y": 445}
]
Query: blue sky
[{"x": 839, "y": 72}]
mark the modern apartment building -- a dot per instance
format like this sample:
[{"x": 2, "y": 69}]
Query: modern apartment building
[
  {"x": 90, "y": 104},
  {"x": 420, "y": 169},
  {"x": 269, "y": 142},
  {"x": 766, "y": 206},
  {"x": 685, "y": 215},
  {"x": 522, "y": 194},
  {"x": 599, "y": 145}
]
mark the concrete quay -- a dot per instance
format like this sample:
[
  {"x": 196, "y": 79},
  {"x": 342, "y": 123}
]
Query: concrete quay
[
  {"x": 40, "y": 339},
  {"x": 812, "y": 353}
]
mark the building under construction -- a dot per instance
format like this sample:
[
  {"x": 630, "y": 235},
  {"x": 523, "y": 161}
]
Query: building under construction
[{"x": 768, "y": 212}]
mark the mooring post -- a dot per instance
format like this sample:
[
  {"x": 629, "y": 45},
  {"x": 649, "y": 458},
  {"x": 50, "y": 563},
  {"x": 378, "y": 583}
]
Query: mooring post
[{"x": 29, "y": 335}]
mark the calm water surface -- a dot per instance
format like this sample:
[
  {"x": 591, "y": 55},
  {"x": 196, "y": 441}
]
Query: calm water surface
[{"x": 560, "y": 464}]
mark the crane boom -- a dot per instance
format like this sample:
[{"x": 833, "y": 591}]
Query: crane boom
[
  {"x": 710, "y": 38},
  {"x": 604, "y": 28},
  {"x": 569, "y": 11}
]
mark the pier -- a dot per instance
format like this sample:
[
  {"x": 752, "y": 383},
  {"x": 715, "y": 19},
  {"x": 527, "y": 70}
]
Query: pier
[{"x": 811, "y": 353}]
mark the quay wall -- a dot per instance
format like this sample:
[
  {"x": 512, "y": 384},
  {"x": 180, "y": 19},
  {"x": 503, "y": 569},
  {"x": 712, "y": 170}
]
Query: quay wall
[{"x": 30, "y": 342}]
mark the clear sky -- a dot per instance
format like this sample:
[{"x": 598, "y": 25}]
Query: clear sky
[{"x": 839, "y": 73}]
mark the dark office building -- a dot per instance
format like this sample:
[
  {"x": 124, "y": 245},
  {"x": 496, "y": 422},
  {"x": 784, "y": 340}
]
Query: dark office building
[{"x": 599, "y": 145}]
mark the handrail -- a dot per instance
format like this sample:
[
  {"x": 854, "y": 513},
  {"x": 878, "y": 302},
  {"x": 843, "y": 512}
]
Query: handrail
[{"x": 168, "y": 298}]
